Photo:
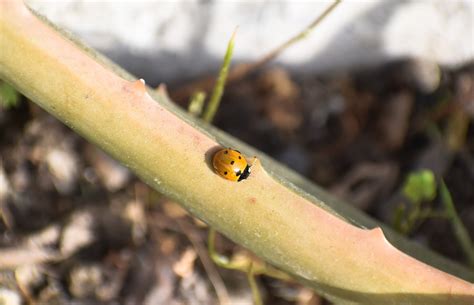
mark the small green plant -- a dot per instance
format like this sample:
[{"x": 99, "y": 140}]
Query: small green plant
[
  {"x": 218, "y": 90},
  {"x": 9, "y": 97},
  {"x": 245, "y": 263},
  {"x": 421, "y": 187}
]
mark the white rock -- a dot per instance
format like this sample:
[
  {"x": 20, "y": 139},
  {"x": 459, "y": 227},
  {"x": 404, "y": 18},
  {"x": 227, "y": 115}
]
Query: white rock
[
  {"x": 46, "y": 237},
  {"x": 112, "y": 174},
  {"x": 63, "y": 167},
  {"x": 78, "y": 233},
  {"x": 85, "y": 280},
  {"x": 9, "y": 297},
  {"x": 4, "y": 184},
  {"x": 183, "y": 38},
  {"x": 29, "y": 277}
]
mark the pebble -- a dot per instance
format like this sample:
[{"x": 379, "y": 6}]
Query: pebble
[
  {"x": 9, "y": 297},
  {"x": 85, "y": 280},
  {"x": 63, "y": 167},
  {"x": 77, "y": 233}
]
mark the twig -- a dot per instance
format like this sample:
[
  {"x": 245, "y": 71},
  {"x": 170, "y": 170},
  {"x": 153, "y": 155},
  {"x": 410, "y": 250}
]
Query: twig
[
  {"x": 214, "y": 276},
  {"x": 239, "y": 72},
  {"x": 15, "y": 257}
]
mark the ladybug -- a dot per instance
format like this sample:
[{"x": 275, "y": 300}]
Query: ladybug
[{"x": 231, "y": 165}]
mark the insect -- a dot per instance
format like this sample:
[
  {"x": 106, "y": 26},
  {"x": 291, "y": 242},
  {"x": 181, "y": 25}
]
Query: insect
[{"x": 230, "y": 164}]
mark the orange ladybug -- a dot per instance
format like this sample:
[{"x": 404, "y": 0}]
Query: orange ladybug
[{"x": 231, "y": 165}]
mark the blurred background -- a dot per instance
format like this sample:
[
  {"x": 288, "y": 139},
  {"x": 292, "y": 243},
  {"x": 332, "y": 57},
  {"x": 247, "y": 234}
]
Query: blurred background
[
  {"x": 376, "y": 105},
  {"x": 169, "y": 41}
]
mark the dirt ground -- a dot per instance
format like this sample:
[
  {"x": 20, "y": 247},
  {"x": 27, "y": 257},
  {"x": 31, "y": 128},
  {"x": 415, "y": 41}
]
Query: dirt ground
[{"x": 78, "y": 228}]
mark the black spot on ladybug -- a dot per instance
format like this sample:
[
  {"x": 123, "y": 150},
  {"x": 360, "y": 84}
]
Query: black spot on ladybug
[
  {"x": 226, "y": 152},
  {"x": 225, "y": 173},
  {"x": 240, "y": 157},
  {"x": 232, "y": 162},
  {"x": 245, "y": 174}
]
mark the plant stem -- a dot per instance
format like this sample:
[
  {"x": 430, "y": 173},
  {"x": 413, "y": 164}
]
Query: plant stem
[
  {"x": 257, "y": 298},
  {"x": 197, "y": 103},
  {"x": 460, "y": 231},
  {"x": 216, "y": 96}
]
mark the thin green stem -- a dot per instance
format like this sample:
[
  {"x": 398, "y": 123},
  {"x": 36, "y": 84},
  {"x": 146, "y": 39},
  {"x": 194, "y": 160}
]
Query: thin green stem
[
  {"x": 257, "y": 298},
  {"x": 219, "y": 260},
  {"x": 218, "y": 90},
  {"x": 196, "y": 103},
  {"x": 460, "y": 231}
]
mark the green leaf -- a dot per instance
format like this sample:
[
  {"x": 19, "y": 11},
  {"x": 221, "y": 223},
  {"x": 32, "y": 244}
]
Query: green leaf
[
  {"x": 420, "y": 186},
  {"x": 9, "y": 97}
]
